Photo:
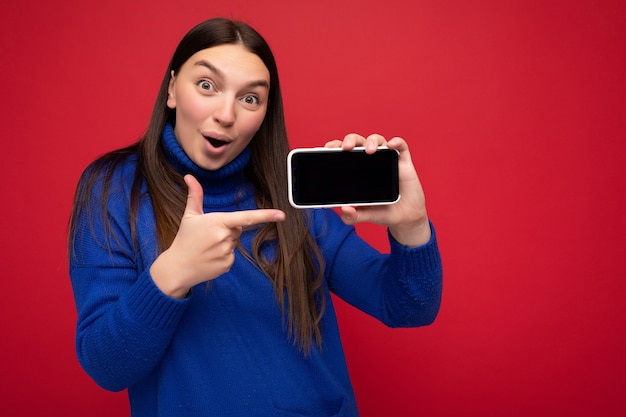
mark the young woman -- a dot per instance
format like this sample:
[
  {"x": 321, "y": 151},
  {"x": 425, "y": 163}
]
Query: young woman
[{"x": 198, "y": 287}]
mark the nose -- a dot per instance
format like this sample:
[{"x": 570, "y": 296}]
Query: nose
[{"x": 224, "y": 112}]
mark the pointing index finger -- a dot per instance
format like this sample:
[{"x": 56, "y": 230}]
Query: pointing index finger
[{"x": 252, "y": 217}]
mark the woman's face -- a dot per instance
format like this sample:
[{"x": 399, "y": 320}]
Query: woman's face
[{"x": 220, "y": 97}]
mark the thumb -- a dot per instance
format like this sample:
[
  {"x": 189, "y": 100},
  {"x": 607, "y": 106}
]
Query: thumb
[
  {"x": 349, "y": 215},
  {"x": 194, "y": 197}
]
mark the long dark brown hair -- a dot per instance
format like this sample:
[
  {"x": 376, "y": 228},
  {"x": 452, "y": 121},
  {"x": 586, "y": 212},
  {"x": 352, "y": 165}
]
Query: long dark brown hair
[{"x": 297, "y": 269}]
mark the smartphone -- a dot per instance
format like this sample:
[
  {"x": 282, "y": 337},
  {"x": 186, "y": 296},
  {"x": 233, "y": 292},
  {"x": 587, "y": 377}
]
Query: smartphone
[{"x": 332, "y": 177}]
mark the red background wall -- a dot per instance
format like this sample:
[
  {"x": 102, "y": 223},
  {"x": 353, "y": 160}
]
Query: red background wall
[{"x": 515, "y": 114}]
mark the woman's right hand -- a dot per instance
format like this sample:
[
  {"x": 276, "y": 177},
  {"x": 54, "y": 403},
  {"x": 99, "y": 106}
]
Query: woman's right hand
[{"x": 204, "y": 246}]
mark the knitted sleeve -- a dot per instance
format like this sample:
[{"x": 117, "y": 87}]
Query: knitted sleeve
[
  {"x": 400, "y": 289},
  {"x": 124, "y": 321}
]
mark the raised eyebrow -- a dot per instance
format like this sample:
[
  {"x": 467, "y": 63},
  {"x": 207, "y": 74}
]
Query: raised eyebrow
[
  {"x": 210, "y": 67},
  {"x": 220, "y": 73},
  {"x": 259, "y": 83}
]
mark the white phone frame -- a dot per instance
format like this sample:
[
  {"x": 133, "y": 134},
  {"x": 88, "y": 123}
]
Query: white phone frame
[{"x": 320, "y": 150}]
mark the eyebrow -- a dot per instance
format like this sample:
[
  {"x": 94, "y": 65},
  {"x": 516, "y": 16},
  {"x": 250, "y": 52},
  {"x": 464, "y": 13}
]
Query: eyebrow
[{"x": 220, "y": 73}]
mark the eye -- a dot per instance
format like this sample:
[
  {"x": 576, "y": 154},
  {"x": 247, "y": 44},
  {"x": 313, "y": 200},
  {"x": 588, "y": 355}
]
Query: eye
[
  {"x": 251, "y": 100},
  {"x": 206, "y": 85}
]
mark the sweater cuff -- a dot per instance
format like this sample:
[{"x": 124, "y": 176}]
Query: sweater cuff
[
  {"x": 150, "y": 306},
  {"x": 425, "y": 258}
]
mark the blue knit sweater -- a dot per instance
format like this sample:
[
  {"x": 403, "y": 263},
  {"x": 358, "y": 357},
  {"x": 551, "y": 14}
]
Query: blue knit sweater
[{"x": 223, "y": 350}]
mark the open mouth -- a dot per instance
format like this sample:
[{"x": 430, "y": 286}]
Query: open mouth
[{"x": 216, "y": 143}]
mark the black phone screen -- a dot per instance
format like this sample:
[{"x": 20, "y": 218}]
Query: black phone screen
[{"x": 335, "y": 177}]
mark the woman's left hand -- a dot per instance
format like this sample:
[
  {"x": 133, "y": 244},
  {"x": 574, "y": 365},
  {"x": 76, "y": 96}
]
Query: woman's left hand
[{"x": 407, "y": 219}]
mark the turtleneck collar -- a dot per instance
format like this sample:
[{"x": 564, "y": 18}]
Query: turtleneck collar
[{"x": 224, "y": 181}]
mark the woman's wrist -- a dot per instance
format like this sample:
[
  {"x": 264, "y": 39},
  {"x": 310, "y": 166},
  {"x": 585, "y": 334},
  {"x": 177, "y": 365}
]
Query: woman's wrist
[
  {"x": 412, "y": 235},
  {"x": 161, "y": 274}
]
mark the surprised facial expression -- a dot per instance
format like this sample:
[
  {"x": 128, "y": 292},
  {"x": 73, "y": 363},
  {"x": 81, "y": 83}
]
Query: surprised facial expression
[{"x": 220, "y": 97}]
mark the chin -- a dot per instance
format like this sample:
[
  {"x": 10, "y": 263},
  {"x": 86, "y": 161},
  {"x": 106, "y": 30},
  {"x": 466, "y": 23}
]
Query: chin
[{"x": 213, "y": 165}]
